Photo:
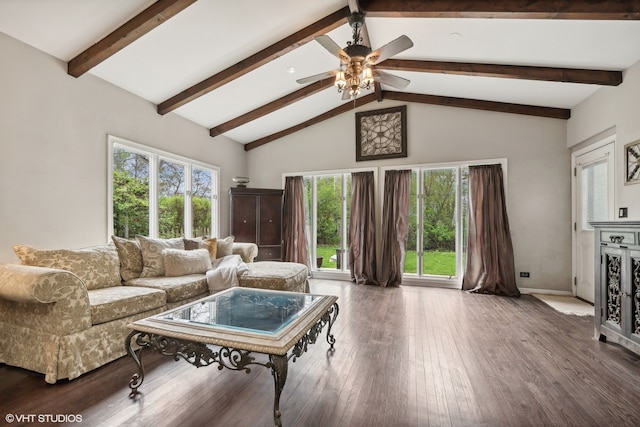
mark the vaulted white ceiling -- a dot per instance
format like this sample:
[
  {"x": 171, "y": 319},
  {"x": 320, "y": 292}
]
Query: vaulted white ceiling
[{"x": 210, "y": 36}]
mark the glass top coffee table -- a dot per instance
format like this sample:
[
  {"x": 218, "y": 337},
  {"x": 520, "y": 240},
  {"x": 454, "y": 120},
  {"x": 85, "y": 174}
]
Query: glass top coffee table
[{"x": 238, "y": 322}]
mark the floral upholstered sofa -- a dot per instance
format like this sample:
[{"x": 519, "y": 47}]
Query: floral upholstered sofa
[{"x": 64, "y": 312}]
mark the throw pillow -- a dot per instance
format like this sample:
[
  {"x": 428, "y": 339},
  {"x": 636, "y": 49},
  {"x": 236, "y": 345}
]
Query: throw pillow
[
  {"x": 152, "y": 259},
  {"x": 224, "y": 247},
  {"x": 98, "y": 267},
  {"x": 179, "y": 262},
  {"x": 203, "y": 243},
  {"x": 130, "y": 256}
]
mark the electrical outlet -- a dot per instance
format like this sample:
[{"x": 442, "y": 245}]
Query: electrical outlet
[{"x": 524, "y": 274}]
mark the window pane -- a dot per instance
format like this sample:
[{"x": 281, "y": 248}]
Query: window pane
[
  {"x": 130, "y": 193},
  {"x": 594, "y": 193},
  {"x": 329, "y": 220},
  {"x": 308, "y": 220},
  {"x": 170, "y": 199},
  {"x": 464, "y": 215},
  {"x": 201, "y": 189},
  {"x": 439, "y": 222},
  {"x": 411, "y": 258}
]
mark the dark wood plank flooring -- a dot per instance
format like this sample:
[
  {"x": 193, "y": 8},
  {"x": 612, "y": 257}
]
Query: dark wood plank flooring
[{"x": 404, "y": 357}]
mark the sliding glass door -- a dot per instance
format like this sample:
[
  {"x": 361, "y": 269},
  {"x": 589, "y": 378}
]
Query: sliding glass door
[
  {"x": 328, "y": 207},
  {"x": 436, "y": 246},
  {"x": 437, "y": 231}
]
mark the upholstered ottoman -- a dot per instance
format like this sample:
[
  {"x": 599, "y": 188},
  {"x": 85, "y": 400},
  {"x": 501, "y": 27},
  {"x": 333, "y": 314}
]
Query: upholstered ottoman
[{"x": 279, "y": 276}]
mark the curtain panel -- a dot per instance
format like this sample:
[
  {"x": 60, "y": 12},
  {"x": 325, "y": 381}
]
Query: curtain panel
[
  {"x": 294, "y": 245},
  {"x": 362, "y": 229},
  {"x": 395, "y": 226},
  {"x": 490, "y": 261}
]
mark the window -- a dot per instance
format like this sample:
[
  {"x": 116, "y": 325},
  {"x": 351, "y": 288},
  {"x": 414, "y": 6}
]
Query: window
[
  {"x": 439, "y": 204},
  {"x": 130, "y": 195},
  {"x": 437, "y": 230},
  {"x": 171, "y": 195},
  {"x": 594, "y": 193},
  {"x": 201, "y": 201},
  {"x": 159, "y": 194},
  {"x": 328, "y": 205},
  {"x": 437, "y": 240}
]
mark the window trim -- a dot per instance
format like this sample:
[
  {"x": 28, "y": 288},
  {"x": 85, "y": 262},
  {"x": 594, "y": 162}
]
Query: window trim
[{"x": 155, "y": 155}]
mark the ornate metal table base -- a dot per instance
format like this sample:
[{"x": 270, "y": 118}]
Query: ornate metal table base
[{"x": 199, "y": 354}]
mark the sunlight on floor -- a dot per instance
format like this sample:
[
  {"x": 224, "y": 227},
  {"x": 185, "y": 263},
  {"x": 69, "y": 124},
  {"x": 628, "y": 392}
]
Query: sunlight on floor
[{"x": 566, "y": 304}]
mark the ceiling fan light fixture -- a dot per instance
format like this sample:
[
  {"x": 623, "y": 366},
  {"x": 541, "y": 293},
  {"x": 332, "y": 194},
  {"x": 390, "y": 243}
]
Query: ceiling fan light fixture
[
  {"x": 341, "y": 81},
  {"x": 357, "y": 61},
  {"x": 367, "y": 77}
]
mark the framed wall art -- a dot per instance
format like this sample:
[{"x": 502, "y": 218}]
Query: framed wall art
[
  {"x": 381, "y": 134},
  {"x": 632, "y": 161}
]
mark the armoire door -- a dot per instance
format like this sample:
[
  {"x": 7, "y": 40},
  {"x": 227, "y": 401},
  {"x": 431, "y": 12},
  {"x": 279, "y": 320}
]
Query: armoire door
[
  {"x": 244, "y": 208},
  {"x": 270, "y": 219}
]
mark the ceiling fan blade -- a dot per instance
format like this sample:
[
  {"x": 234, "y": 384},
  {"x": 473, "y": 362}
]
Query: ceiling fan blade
[
  {"x": 391, "y": 79},
  {"x": 354, "y": 7},
  {"x": 317, "y": 77},
  {"x": 333, "y": 47},
  {"x": 390, "y": 49}
]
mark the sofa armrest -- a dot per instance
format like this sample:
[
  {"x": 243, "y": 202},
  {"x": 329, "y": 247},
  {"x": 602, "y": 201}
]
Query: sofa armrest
[
  {"x": 48, "y": 299},
  {"x": 25, "y": 283},
  {"x": 247, "y": 251}
]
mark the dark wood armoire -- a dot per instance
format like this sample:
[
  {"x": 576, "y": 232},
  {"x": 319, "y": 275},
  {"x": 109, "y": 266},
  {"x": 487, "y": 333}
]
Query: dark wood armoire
[{"x": 256, "y": 216}]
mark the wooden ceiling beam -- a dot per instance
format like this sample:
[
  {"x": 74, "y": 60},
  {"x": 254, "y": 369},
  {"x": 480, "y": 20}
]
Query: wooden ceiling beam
[
  {"x": 566, "y": 75},
  {"x": 505, "y": 9},
  {"x": 271, "y": 107},
  {"x": 132, "y": 30},
  {"x": 446, "y": 101},
  {"x": 476, "y": 104},
  {"x": 322, "y": 117},
  {"x": 266, "y": 55}
]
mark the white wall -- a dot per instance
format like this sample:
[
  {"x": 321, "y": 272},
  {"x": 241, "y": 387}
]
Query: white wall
[
  {"x": 538, "y": 175},
  {"x": 53, "y": 157},
  {"x": 612, "y": 110}
]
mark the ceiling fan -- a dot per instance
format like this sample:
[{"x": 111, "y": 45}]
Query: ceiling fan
[{"x": 357, "y": 62}]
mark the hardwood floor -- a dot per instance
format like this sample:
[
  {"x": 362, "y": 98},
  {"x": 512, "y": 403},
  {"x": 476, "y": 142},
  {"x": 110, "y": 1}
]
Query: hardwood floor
[{"x": 404, "y": 357}]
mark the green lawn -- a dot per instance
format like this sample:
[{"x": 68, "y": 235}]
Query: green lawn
[
  {"x": 436, "y": 263},
  {"x": 325, "y": 252}
]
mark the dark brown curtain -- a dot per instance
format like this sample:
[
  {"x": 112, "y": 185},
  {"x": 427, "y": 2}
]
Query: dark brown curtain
[
  {"x": 395, "y": 226},
  {"x": 362, "y": 230},
  {"x": 294, "y": 243},
  {"x": 490, "y": 264}
]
